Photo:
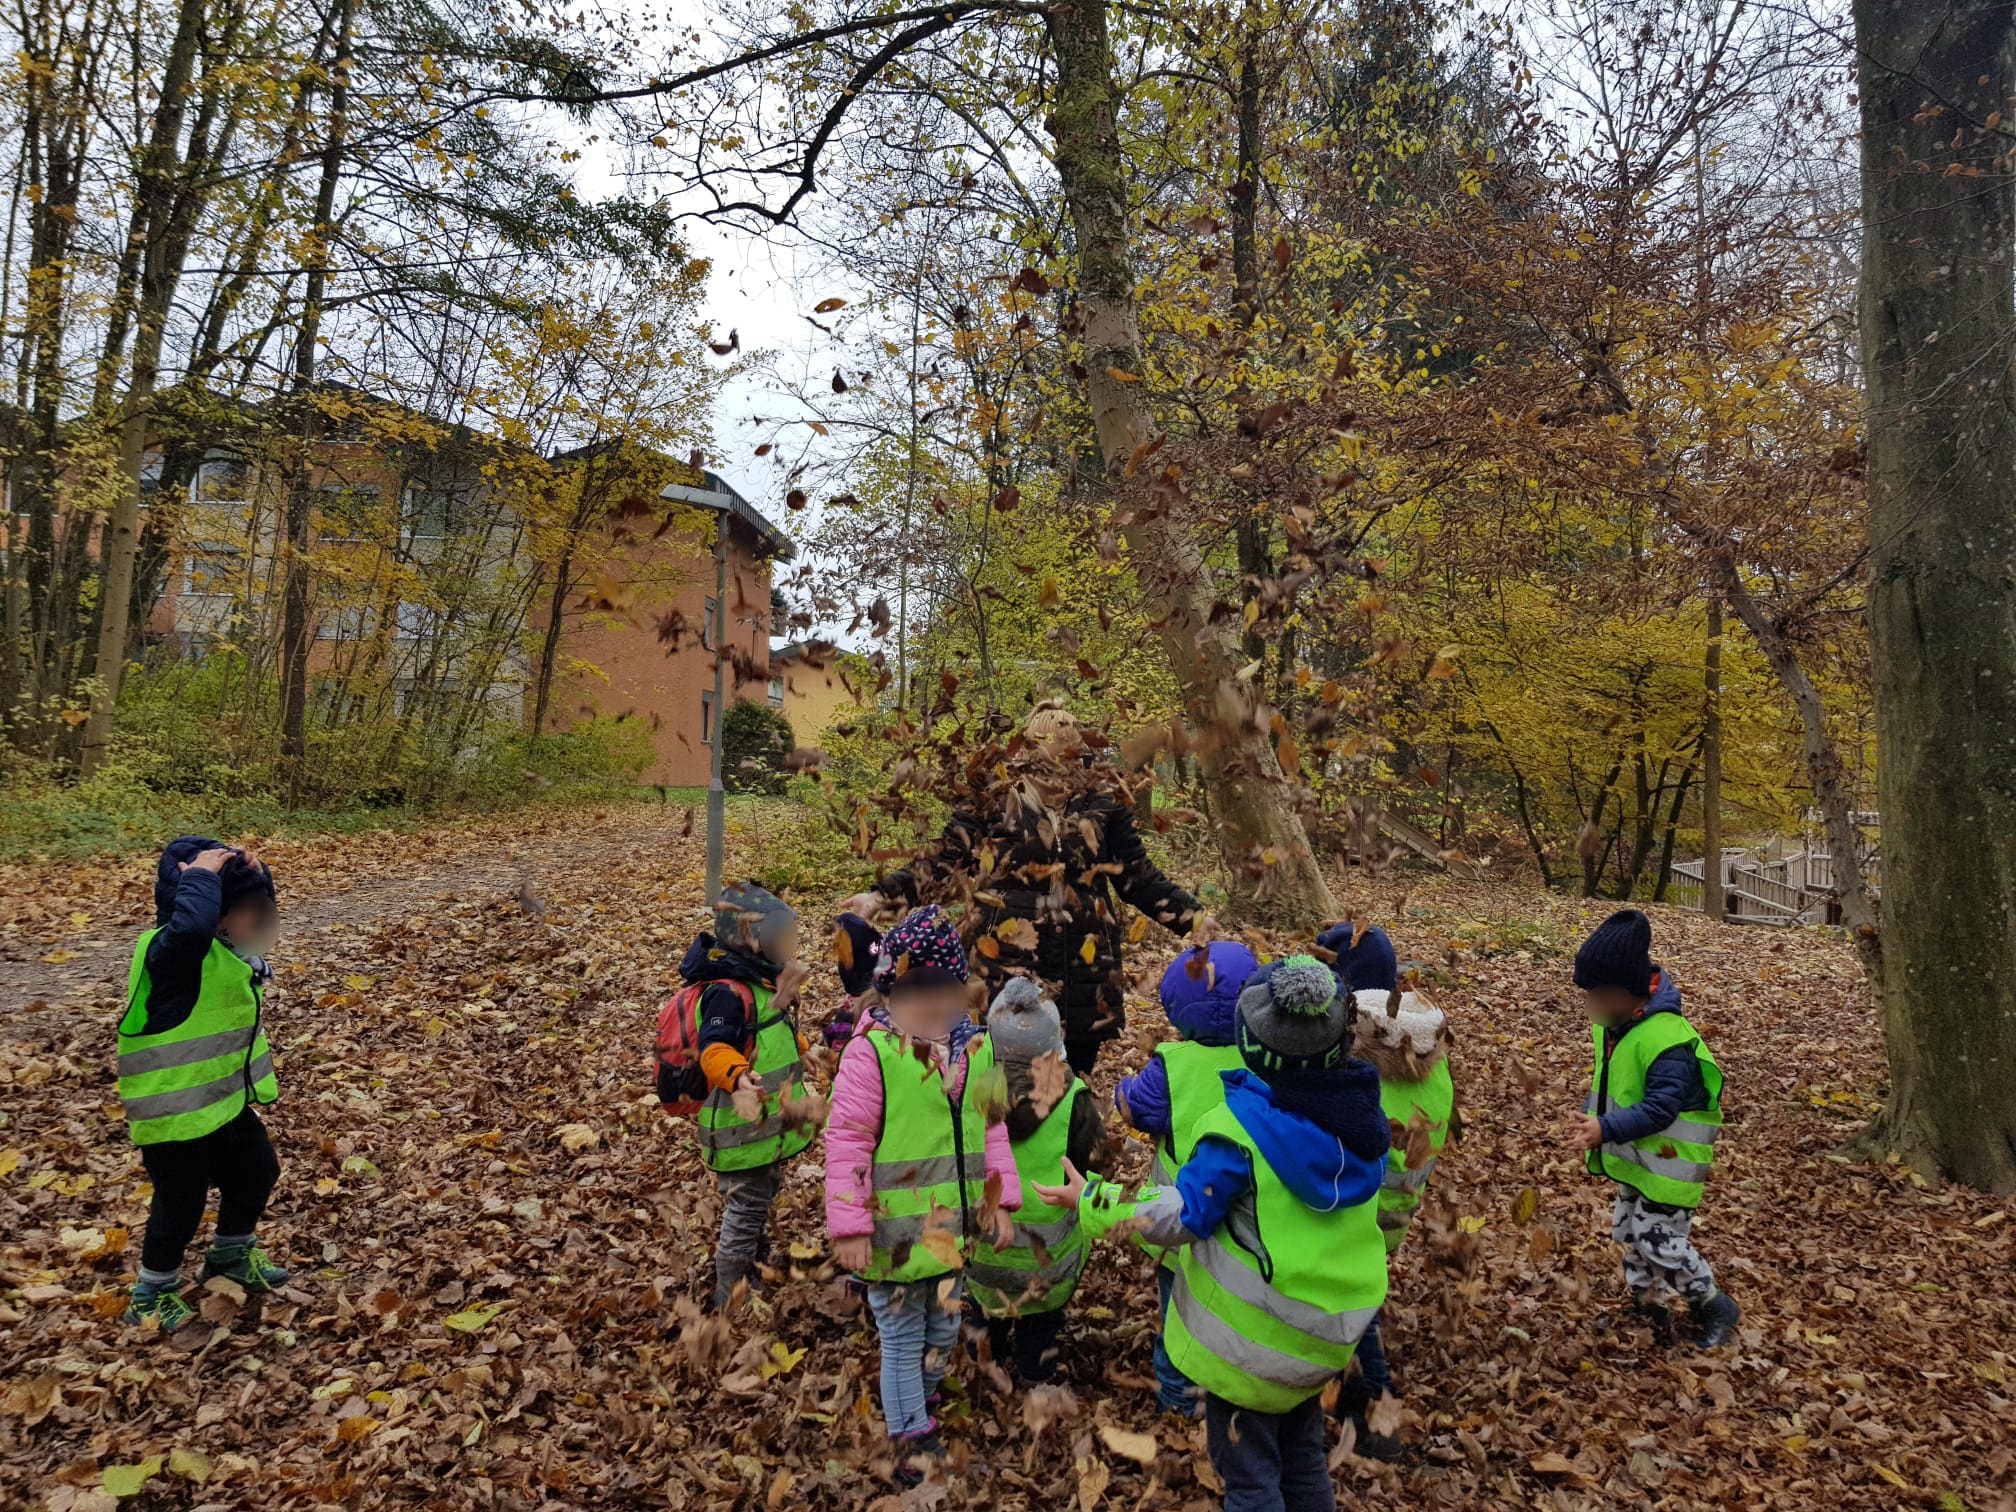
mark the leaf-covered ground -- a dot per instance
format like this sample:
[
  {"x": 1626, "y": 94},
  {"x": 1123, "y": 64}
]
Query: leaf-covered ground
[{"x": 495, "y": 1234}]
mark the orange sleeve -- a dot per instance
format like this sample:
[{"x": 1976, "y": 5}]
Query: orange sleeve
[{"x": 721, "y": 1065}]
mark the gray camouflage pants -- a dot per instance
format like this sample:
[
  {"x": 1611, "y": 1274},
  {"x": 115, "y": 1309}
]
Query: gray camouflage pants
[
  {"x": 1657, "y": 1250},
  {"x": 745, "y": 1224}
]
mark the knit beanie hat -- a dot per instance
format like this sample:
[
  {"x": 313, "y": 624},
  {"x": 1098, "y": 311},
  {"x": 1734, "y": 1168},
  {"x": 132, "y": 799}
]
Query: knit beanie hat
[
  {"x": 1023, "y": 1023},
  {"x": 1293, "y": 1018},
  {"x": 857, "y": 957},
  {"x": 1417, "y": 1026},
  {"x": 1618, "y": 954},
  {"x": 748, "y": 919},
  {"x": 244, "y": 879},
  {"x": 922, "y": 951}
]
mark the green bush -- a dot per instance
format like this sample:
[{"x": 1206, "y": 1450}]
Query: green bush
[{"x": 755, "y": 739}]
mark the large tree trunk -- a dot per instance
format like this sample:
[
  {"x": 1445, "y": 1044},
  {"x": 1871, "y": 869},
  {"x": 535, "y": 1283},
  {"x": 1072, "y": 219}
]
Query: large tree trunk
[
  {"x": 1938, "y": 335},
  {"x": 1275, "y": 875},
  {"x": 158, "y": 241},
  {"x": 1713, "y": 903}
]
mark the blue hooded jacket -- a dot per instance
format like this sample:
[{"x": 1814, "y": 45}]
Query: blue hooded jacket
[
  {"x": 1366, "y": 963},
  {"x": 1672, "y": 1082},
  {"x": 1328, "y": 1144},
  {"x": 1203, "y": 1008}
]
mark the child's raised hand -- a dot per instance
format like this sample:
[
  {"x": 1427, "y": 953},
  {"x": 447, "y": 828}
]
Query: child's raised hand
[
  {"x": 1585, "y": 1132},
  {"x": 854, "y": 1253},
  {"x": 789, "y": 981},
  {"x": 211, "y": 860},
  {"x": 1067, "y": 1195}
]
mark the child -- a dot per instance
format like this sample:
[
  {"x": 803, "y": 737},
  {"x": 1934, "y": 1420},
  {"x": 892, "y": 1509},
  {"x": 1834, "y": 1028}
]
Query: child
[
  {"x": 910, "y": 1147},
  {"x": 1365, "y": 959},
  {"x": 1403, "y": 1038},
  {"x": 1022, "y": 1288},
  {"x": 854, "y": 944},
  {"x": 193, "y": 1059},
  {"x": 1282, "y": 1266},
  {"x": 1650, "y": 1122},
  {"x": 1180, "y": 1083},
  {"x": 749, "y": 1045}
]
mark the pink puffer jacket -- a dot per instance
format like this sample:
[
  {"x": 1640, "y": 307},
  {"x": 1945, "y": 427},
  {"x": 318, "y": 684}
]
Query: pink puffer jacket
[{"x": 854, "y": 1127}]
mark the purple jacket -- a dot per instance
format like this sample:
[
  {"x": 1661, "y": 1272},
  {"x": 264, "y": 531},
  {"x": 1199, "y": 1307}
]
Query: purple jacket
[{"x": 1203, "y": 1007}]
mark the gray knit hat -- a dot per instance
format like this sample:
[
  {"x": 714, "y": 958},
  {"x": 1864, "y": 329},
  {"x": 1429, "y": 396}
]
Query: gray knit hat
[
  {"x": 1023, "y": 1023},
  {"x": 748, "y": 919},
  {"x": 1293, "y": 1018}
]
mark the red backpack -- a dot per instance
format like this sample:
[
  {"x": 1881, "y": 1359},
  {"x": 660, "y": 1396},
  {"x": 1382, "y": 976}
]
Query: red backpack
[{"x": 682, "y": 1086}]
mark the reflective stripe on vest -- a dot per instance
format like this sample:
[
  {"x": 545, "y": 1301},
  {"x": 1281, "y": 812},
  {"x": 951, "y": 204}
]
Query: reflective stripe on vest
[
  {"x": 191, "y": 1080},
  {"x": 1434, "y": 1098},
  {"x": 1269, "y": 1308},
  {"x": 730, "y": 1142},
  {"x": 1671, "y": 1164},
  {"x": 933, "y": 1152},
  {"x": 1039, "y": 1268}
]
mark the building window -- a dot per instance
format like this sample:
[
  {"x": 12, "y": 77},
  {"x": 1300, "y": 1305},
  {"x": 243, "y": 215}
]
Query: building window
[
  {"x": 417, "y": 621},
  {"x": 210, "y": 566},
  {"x": 707, "y": 719},
  {"x": 221, "y": 479},
  {"x": 434, "y": 510},
  {"x": 707, "y": 624},
  {"x": 776, "y": 692},
  {"x": 346, "y": 511},
  {"x": 346, "y": 622}
]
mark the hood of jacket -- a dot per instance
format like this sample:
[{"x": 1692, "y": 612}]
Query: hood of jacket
[
  {"x": 1204, "y": 1006},
  {"x": 1322, "y": 1146},
  {"x": 1665, "y": 999},
  {"x": 708, "y": 960}
]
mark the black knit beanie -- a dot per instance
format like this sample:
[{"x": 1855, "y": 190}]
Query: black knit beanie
[{"x": 1618, "y": 954}]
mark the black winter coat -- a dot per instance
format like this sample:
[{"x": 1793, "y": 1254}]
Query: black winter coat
[{"x": 1068, "y": 885}]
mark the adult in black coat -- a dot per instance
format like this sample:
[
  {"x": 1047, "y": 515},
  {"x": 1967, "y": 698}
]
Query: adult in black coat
[{"x": 1057, "y": 850}]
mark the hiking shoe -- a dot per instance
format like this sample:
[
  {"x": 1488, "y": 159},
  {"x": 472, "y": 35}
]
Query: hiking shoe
[
  {"x": 916, "y": 1455},
  {"x": 163, "y": 1304},
  {"x": 1654, "y": 1315},
  {"x": 1384, "y": 1447},
  {"x": 248, "y": 1265},
  {"x": 1716, "y": 1317}
]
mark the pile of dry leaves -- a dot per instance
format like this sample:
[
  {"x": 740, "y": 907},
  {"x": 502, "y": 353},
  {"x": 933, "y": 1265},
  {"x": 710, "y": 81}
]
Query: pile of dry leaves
[{"x": 496, "y": 1235}]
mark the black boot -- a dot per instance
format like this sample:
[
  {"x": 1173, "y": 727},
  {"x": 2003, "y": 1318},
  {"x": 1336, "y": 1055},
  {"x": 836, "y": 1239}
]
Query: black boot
[
  {"x": 1655, "y": 1315},
  {"x": 1716, "y": 1315}
]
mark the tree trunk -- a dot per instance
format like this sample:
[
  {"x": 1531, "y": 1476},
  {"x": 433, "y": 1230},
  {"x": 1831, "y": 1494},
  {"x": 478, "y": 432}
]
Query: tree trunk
[
  {"x": 1275, "y": 875},
  {"x": 1938, "y": 327},
  {"x": 158, "y": 237},
  {"x": 549, "y": 645},
  {"x": 300, "y": 495},
  {"x": 1712, "y": 902}
]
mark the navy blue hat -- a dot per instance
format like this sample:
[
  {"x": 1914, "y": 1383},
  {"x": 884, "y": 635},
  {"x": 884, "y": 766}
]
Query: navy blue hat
[
  {"x": 857, "y": 970},
  {"x": 1618, "y": 954},
  {"x": 240, "y": 879}
]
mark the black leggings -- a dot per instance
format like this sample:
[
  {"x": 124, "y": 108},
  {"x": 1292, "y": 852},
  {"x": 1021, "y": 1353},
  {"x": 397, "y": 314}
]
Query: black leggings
[
  {"x": 1030, "y": 1341},
  {"x": 237, "y": 1160},
  {"x": 1082, "y": 1055}
]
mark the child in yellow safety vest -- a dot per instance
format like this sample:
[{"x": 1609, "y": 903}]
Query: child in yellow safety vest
[
  {"x": 913, "y": 1141},
  {"x": 755, "y": 1117},
  {"x": 1650, "y": 1123},
  {"x": 1023, "y": 1287},
  {"x": 1405, "y": 1038},
  {"x": 1281, "y": 1264},
  {"x": 193, "y": 1062}
]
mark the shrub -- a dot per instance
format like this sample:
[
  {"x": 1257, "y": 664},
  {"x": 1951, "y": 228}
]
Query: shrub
[{"x": 755, "y": 739}]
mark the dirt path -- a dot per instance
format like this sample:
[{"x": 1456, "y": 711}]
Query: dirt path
[{"x": 67, "y": 934}]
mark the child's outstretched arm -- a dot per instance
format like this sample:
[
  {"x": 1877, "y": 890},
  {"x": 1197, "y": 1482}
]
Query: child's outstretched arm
[
  {"x": 853, "y": 1128},
  {"x": 1216, "y": 1176},
  {"x": 1001, "y": 1162}
]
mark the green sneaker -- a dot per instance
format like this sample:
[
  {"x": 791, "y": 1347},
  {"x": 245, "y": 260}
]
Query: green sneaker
[
  {"x": 248, "y": 1265},
  {"x": 163, "y": 1304}
]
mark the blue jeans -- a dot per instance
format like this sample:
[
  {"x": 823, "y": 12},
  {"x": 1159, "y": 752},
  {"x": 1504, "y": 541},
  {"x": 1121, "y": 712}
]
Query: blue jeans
[
  {"x": 1270, "y": 1461},
  {"x": 1372, "y": 1360},
  {"x": 919, "y": 1324},
  {"x": 1174, "y": 1391}
]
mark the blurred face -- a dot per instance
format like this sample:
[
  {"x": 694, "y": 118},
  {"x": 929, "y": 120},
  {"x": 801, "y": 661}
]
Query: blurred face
[
  {"x": 1611, "y": 1006},
  {"x": 250, "y": 927},
  {"x": 780, "y": 941},
  {"x": 928, "y": 1012}
]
